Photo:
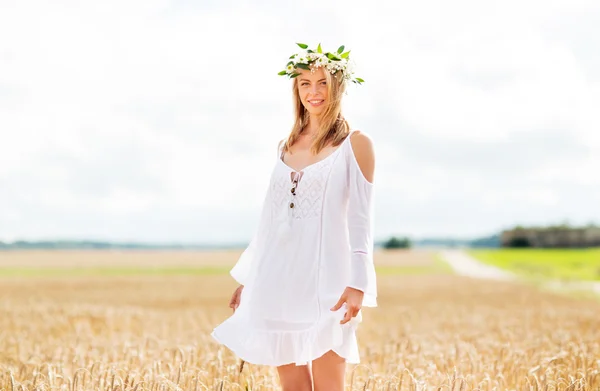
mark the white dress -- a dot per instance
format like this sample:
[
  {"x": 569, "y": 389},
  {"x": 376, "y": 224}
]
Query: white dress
[{"x": 299, "y": 262}]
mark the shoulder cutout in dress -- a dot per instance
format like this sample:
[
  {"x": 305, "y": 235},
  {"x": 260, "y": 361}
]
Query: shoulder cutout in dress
[{"x": 363, "y": 154}]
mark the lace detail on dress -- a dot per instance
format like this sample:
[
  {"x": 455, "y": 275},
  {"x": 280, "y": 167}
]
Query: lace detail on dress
[
  {"x": 308, "y": 201},
  {"x": 308, "y": 198},
  {"x": 280, "y": 194}
]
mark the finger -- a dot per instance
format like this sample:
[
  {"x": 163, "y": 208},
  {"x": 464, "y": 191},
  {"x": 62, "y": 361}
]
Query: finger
[
  {"x": 346, "y": 319},
  {"x": 338, "y": 305},
  {"x": 353, "y": 309},
  {"x": 234, "y": 300},
  {"x": 350, "y": 312}
]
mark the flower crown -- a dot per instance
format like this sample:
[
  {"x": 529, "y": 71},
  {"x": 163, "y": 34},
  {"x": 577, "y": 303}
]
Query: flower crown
[{"x": 310, "y": 59}]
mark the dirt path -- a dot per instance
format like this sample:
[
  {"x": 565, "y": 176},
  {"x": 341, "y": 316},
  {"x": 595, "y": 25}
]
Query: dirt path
[{"x": 465, "y": 265}]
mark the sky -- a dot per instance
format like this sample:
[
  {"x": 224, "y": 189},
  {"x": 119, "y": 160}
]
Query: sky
[{"x": 158, "y": 121}]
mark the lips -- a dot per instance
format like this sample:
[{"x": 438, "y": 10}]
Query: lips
[{"x": 316, "y": 102}]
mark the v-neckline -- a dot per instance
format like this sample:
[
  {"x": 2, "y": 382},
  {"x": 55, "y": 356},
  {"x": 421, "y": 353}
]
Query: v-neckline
[{"x": 317, "y": 162}]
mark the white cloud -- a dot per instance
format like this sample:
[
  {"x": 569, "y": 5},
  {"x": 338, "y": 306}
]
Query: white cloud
[{"x": 158, "y": 120}]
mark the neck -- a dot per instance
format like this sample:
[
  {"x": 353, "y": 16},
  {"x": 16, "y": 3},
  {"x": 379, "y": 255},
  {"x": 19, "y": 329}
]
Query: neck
[{"x": 312, "y": 128}]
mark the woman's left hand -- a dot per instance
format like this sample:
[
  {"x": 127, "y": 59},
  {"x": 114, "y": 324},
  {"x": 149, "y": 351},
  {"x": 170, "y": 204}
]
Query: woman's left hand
[{"x": 353, "y": 299}]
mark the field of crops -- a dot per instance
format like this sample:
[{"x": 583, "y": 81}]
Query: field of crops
[{"x": 150, "y": 331}]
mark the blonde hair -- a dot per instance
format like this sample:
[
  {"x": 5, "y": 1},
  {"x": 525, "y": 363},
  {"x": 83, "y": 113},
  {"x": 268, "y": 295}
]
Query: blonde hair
[{"x": 333, "y": 127}]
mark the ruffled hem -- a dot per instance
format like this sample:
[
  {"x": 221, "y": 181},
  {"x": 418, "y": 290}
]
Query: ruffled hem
[{"x": 280, "y": 347}]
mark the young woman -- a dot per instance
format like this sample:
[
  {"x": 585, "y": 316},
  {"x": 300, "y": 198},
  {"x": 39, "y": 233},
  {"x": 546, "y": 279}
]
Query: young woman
[{"x": 309, "y": 269}]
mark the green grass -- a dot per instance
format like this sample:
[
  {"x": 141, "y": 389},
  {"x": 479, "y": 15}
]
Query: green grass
[
  {"x": 561, "y": 264},
  {"x": 439, "y": 267},
  {"x": 111, "y": 271}
]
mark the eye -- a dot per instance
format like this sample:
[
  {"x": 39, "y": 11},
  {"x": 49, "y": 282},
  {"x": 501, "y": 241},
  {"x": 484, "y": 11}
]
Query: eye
[
  {"x": 324, "y": 83},
  {"x": 304, "y": 84}
]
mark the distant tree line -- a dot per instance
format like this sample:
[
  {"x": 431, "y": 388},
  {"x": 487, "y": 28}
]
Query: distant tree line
[
  {"x": 552, "y": 236},
  {"x": 491, "y": 241}
]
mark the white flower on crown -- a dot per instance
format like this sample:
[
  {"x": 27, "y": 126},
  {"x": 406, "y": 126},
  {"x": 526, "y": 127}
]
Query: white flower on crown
[
  {"x": 335, "y": 66},
  {"x": 301, "y": 56},
  {"x": 317, "y": 60}
]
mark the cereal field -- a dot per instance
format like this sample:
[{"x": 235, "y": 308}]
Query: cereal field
[{"x": 72, "y": 321}]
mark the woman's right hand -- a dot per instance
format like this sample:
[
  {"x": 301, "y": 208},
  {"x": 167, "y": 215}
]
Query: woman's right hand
[{"x": 234, "y": 303}]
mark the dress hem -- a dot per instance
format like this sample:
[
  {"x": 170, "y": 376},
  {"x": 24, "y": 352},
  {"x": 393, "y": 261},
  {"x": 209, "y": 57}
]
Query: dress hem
[{"x": 277, "y": 364}]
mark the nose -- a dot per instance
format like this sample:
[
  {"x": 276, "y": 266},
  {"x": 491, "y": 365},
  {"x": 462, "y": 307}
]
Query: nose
[{"x": 314, "y": 89}]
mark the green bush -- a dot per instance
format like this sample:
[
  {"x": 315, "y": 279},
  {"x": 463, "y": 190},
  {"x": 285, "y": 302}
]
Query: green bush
[
  {"x": 519, "y": 242},
  {"x": 395, "y": 242}
]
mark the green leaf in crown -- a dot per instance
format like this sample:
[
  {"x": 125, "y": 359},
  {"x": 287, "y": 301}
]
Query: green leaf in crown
[
  {"x": 303, "y": 66},
  {"x": 309, "y": 59}
]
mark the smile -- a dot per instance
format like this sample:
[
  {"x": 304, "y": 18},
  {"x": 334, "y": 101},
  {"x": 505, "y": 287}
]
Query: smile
[{"x": 316, "y": 102}]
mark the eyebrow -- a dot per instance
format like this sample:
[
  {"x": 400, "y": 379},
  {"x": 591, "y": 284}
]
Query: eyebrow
[{"x": 309, "y": 80}]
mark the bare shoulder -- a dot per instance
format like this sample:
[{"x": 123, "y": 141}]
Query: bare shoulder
[
  {"x": 361, "y": 143},
  {"x": 364, "y": 152}
]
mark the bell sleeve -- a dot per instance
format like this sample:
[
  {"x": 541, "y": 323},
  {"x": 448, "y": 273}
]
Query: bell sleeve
[
  {"x": 241, "y": 271},
  {"x": 360, "y": 232}
]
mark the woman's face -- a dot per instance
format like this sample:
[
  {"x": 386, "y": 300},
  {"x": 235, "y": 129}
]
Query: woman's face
[{"x": 312, "y": 88}]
